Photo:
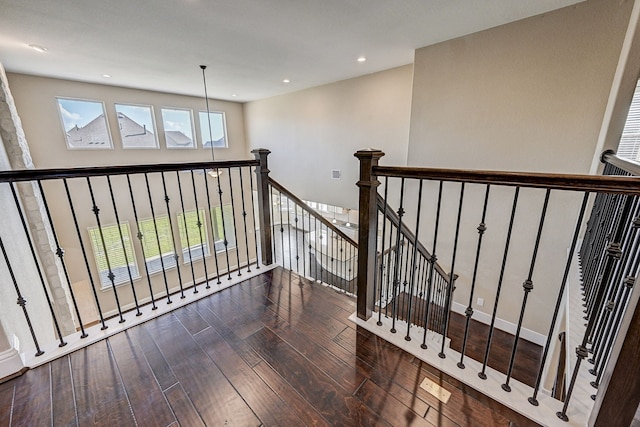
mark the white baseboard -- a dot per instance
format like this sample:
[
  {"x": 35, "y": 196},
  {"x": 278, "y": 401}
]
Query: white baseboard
[{"x": 502, "y": 324}]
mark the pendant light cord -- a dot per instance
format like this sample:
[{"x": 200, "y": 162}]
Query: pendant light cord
[{"x": 206, "y": 98}]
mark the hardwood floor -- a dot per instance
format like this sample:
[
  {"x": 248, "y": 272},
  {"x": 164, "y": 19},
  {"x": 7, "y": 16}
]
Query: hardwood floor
[{"x": 273, "y": 350}]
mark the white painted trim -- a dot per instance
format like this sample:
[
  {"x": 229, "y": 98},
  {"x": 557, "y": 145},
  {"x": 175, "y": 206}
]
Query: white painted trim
[
  {"x": 10, "y": 363},
  {"x": 502, "y": 324}
]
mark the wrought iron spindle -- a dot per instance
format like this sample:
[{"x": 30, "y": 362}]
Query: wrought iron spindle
[
  {"x": 235, "y": 226},
  {"x": 224, "y": 225},
  {"x": 255, "y": 227},
  {"x": 213, "y": 234},
  {"x": 412, "y": 279},
  {"x": 202, "y": 236},
  {"x": 124, "y": 248},
  {"x": 111, "y": 276},
  {"x": 21, "y": 301},
  {"x": 482, "y": 227},
  {"x": 527, "y": 287},
  {"x": 432, "y": 262},
  {"x": 384, "y": 231},
  {"x": 304, "y": 263},
  {"x": 398, "y": 265},
  {"x": 84, "y": 254},
  {"x": 174, "y": 240},
  {"x": 533, "y": 399},
  {"x": 281, "y": 228},
  {"x": 186, "y": 233},
  {"x": 482, "y": 374},
  {"x": 60, "y": 254},
  {"x": 244, "y": 222},
  {"x": 289, "y": 233},
  {"x": 273, "y": 221},
  {"x": 613, "y": 256},
  {"x": 142, "y": 245},
  {"x": 451, "y": 287}
]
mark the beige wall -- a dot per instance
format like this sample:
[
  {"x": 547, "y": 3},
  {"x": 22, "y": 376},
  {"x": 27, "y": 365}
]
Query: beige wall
[
  {"x": 527, "y": 96},
  {"x": 314, "y": 131}
]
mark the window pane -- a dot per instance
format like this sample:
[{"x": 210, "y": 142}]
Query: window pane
[
  {"x": 84, "y": 123},
  {"x": 114, "y": 252},
  {"x": 223, "y": 228},
  {"x": 192, "y": 236},
  {"x": 178, "y": 128},
  {"x": 137, "y": 128},
  {"x": 156, "y": 257},
  {"x": 218, "y": 132}
]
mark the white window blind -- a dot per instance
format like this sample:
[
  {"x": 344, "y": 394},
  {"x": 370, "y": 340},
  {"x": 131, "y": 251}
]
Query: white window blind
[{"x": 629, "y": 146}]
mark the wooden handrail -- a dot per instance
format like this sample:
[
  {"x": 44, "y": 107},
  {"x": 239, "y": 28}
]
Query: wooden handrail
[
  {"x": 610, "y": 156},
  {"x": 45, "y": 174},
  {"x": 572, "y": 182},
  {"x": 395, "y": 220},
  {"x": 312, "y": 212}
]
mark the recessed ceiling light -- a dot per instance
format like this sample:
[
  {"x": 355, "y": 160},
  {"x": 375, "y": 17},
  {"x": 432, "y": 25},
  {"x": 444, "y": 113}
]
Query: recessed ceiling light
[
  {"x": 234, "y": 95},
  {"x": 286, "y": 81},
  {"x": 361, "y": 59},
  {"x": 106, "y": 76},
  {"x": 37, "y": 48}
]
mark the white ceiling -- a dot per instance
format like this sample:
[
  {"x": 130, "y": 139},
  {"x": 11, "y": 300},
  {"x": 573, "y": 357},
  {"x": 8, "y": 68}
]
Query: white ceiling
[{"x": 250, "y": 46}]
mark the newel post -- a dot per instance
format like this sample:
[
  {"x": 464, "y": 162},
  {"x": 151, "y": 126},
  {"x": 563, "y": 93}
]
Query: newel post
[
  {"x": 264, "y": 205},
  {"x": 368, "y": 229}
]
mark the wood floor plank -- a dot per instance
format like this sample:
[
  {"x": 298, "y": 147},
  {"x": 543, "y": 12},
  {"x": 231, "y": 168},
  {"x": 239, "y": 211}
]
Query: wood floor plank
[
  {"x": 100, "y": 395},
  {"x": 182, "y": 407},
  {"x": 305, "y": 411},
  {"x": 32, "y": 399},
  {"x": 334, "y": 403},
  {"x": 190, "y": 319},
  {"x": 217, "y": 402},
  {"x": 390, "y": 408},
  {"x": 147, "y": 402},
  {"x": 159, "y": 366},
  {"x": 64, "y": 405},
  {"x": 6, "y": 402},
  {"x": 267, "y": 405}
]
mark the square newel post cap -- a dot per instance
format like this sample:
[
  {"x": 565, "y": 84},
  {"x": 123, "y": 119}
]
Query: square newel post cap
[
  {"x": 257, "y": 152},
  {"x": 369, "y": 153}
]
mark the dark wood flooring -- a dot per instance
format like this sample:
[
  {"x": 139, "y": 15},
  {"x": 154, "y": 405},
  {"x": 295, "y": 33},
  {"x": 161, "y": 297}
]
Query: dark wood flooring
[{"x": 274, "y": 350}]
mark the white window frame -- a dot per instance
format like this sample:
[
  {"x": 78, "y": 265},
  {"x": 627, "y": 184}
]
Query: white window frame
[
  {"x": 97, "y": 248},
  {"x": 194, "y": 139},
  {"x": 154, "y": 128},
  {"x": 204, "y": 128},
  {"x": 59, "y": 107}
]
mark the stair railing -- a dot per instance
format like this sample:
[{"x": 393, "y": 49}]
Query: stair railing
[{"x": 517, "y": 214}]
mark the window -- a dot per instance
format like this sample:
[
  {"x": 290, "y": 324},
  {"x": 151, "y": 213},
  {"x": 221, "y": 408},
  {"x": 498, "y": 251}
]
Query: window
[
  {"x": 137, "y": 128},
  {"x": 84, "y": 123},
  {"x": 178, "y": 128},
  {"x": 223, "y": 229},
  {"x": 193, "y": 238},
  {"x": 218, "y": 130},
  {"x": 157, "y": 256},
  {"x": 629, "y": 147},
  {"x": 117, "y": 260}
]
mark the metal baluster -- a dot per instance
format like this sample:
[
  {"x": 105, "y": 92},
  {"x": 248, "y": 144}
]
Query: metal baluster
[
  {"x": 412, "y": 280},
  {"x": 304, "y": 263},
  {"x": 528, "y": 287},
  {"x": 452, "y": 279},
  {"x": 405, "y": 258},
  {"x": 186, "y": 233},
  {"x": 255, "y": 228},
  {"x": 390, "y": 258},
  {"x": 398, "y": 266},
  {"x": 613, "y": 255},
  {"x": 224, "y": 225},
  {"x": 289, "y": 233},
  {"x": 124, "y": 249},
  {"x": 273, "y": 222},
  {"x": 281, "y": 229},
  {"x": 140, "y": 235},
  {"x": 533, "y": 399},
  {"x": 21, "y": 301},
  {"x": 244, "y": 222},
  {"x": 482, "y": 227},
  {"x": 482, "y": 374},
  {"x": 202, "y": 236},
  {"x": 235, "y": 227},
  {"x": 213, "y": 234},
  {"x": 111, "y": 276},
  {"x": 432, "y": 262},
  {"x": 173, "y": 234},
  {"x": 84, "y": 255},
  {"x": 60, "y": 254}
]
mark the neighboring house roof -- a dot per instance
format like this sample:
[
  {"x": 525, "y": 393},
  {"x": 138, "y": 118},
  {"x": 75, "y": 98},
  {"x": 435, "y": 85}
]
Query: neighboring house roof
[
  {"x": 133, "y": 134},
  {"x": 93, "y": 134},
  {"x": 175, "y": 138},
  {"x": 217, "y": 143}
]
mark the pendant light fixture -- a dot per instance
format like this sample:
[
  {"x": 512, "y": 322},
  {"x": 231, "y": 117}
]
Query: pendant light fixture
[{"x": 213, "y": 173}]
